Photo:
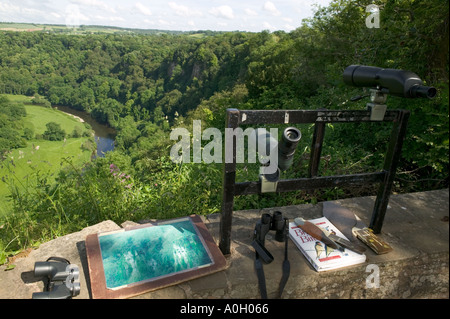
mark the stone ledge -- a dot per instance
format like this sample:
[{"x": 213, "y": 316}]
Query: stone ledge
[
  {"x": 20, "y": 283},
  {"x": 416, "y": 225}
]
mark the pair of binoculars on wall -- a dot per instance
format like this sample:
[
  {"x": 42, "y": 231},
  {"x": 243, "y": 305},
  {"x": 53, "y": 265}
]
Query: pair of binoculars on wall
[
  {"x": 268, "y": 222},
  {"x": 62, "y": 279}
]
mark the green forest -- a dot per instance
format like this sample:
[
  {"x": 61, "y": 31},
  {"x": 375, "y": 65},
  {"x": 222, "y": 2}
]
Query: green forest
[{"x": 144, "y": 85}]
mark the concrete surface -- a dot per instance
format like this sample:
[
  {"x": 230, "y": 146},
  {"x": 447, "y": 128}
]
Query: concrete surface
[
  {"x": 20, "y": 281},
  {"x": 416, "y": 226}
]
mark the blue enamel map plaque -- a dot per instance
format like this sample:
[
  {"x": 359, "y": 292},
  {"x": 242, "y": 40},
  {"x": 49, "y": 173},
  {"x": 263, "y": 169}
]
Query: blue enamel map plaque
[
  {"x": 147, "y": 257},
  {"x": 151, "y": 252}
]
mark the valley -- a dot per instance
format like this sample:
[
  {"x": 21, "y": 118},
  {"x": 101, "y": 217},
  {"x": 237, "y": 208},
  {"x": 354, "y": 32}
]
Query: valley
[{"x": 142, "y": 85}]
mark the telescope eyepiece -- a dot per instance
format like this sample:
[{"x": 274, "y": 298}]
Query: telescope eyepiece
[
  {"x": 293, "y": 135},
  {"x": 422, "y": 91}
]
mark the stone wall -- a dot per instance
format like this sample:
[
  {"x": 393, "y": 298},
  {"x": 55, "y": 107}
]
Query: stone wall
[{"x": 416, "y": 226}]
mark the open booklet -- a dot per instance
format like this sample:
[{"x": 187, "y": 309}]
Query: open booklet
[{"x": 321, "y": 256}]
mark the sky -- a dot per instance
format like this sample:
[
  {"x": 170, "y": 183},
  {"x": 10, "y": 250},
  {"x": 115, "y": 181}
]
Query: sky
[{"x": 180, "y": 15}]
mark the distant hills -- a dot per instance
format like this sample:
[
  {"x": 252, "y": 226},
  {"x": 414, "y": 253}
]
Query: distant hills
[{"x": 94, "y": 29}]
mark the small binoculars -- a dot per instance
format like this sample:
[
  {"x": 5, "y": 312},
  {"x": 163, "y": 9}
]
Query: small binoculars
[
  {"x": 268, "y": 222},
  {"x": 62, "y": 279}
]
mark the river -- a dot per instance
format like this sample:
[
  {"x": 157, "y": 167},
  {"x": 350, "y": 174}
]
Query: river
[{"x": 104, "y": 135}]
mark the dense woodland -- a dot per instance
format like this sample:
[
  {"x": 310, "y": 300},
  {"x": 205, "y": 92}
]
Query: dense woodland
[{"x": 145, "y": 85}]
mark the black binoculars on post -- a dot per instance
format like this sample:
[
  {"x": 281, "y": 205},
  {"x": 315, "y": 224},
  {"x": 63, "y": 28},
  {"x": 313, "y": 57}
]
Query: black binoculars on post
[
  {"x": 285, "y": 149},
  {"x": 262, "y": 140},
  {"x": 62, "y": 279},
  {"x": 396, "y": 82}
]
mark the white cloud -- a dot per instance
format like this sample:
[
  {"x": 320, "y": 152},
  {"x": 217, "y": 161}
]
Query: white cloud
[
  {"x": 184, "y": 11},
  {"x": 251, "y": 15},
  {"x": 164, "y": 22},
  {"x": 270, "y": 7},
  {"x": 268, "y": 26},
  {"x": 8, "y": 11},
  {"x": 250, "y": 12},
  {"x": 289, "y": 27},
  {"x": 31, "y": 11},
  {"x": 96, "y": 4},
  {"x": 225, "y": 12},
  {"x": 55, "y": 14},
  {"x": 109, "y": 18},
  {"x": 143, "y": 9},
  {"x": 73, "y": 17},
  {"x": 9, "y": 8},
  {"x": 150, "y": 22}
]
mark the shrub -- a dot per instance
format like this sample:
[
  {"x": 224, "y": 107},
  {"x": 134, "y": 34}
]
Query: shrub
[{"x": 54, "y": 132}]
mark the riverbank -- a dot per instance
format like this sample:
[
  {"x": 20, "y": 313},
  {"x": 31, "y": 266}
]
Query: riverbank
[
  {"x": 104, "y": 135},
  {"x": 41, "y": 157},
  {"x": 74, "y": 116},
  {"x": 45, "y": 158}
]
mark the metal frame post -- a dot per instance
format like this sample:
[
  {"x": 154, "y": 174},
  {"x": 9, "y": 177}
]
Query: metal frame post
[
  {"x": 385, "y": 177},
  {"x": 393, "y": 154},
  {"x": 316, "y": 149},
  {"x": 229, "y": 178}
]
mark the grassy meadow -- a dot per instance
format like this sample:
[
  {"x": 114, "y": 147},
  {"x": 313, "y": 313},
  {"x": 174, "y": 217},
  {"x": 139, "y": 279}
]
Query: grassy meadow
[
  {"x": 45, "y": 157},
  {"x": 39, "y": 116}
]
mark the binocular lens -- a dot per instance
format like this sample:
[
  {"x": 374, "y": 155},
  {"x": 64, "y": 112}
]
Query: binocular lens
[
  {"x": 277, "y": 216},
  {"x": 266, "y": 218},
  {"x": 286, "y": 147},
  {"x": 292, "y": 135}
]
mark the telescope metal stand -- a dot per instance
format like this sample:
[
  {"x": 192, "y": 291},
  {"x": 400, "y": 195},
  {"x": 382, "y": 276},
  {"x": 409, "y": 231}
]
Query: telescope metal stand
[{"x": 385, "y": 177}]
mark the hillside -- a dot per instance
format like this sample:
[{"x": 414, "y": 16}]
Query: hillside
[
  {"x": 92, "y": 29},
  {"x": 145, "y": 85},
  {"x": 37, "y": 160}
]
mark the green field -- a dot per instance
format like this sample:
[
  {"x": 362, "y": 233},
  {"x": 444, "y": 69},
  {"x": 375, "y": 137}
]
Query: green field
[
  {"x": 39, "y": 116},
  {"x": 19, "y": 98},
  {"x": 40, "y": 156}
]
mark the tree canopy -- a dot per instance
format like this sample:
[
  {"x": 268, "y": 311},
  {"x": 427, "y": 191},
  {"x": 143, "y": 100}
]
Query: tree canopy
[
  {"x": 12, "y": 128},
  {"x": 145, "y": 85},
  {"x": 54, "y": 132}
]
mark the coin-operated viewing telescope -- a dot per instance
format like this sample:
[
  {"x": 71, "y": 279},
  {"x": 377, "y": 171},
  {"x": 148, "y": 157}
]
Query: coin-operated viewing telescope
[{"x": 383, "y": 82}]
